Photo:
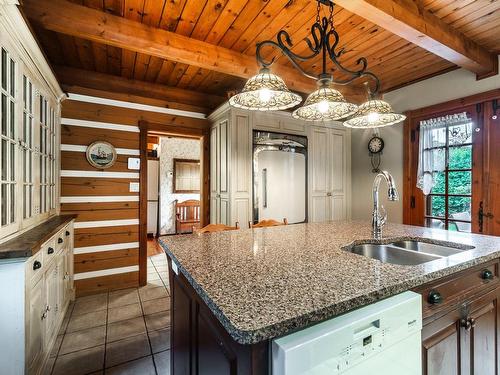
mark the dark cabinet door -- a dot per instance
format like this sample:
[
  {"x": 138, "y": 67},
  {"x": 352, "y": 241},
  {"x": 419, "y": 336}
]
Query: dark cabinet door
[
  {"x": 481, "y": 335},
  {"x": 441, "y": 346}
]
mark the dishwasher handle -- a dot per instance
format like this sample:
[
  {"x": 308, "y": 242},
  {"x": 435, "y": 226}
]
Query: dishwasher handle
[{"x": 264, "y": 188}]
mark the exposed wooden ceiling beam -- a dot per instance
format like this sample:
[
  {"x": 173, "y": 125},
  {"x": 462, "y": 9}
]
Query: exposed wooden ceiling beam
[
  {"x": 106, "y": 82},
  {"x": 417, "y": 25},
  {"x": 80, "y": 21}
]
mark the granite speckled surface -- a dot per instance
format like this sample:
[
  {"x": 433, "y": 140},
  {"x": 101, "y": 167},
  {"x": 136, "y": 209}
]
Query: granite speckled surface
[{"x": 264, "y": 283}]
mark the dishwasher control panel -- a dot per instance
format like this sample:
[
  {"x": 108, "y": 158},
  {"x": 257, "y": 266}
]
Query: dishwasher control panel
[{"x": 362, "y": 338}]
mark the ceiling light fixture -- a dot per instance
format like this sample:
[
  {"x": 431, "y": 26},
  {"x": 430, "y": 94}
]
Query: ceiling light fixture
[{"x": 267, "y": 91}]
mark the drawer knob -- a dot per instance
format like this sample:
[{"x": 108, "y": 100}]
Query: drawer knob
[
  {"x": 60, "y": 240},
  {"x": 487, "y": 275},
  {"x": 67, "y": 233},
  {"x": 50, "y": 250},
  {"x": 434, "y": 297},
  {"x": 37, "y": 265}
]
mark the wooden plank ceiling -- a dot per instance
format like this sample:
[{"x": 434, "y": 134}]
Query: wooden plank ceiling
[{"x": 239, "y": 24}]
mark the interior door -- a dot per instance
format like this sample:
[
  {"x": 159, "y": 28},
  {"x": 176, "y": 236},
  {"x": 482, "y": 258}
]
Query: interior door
[
  {"x": 490, "y": 209},
  {"x": 455, "y": 199},
  {"x": 282, "y": 183}
]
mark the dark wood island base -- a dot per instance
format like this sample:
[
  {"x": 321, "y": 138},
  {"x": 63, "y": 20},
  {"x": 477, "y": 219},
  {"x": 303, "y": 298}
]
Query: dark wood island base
[{"x": 461, "y": 333}]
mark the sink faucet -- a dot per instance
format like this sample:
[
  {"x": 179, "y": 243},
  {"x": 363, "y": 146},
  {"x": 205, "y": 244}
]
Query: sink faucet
[{"x": 379, "y": 216}]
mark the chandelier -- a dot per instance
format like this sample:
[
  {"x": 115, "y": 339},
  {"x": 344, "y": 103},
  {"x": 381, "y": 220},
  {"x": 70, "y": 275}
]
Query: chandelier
[{"x": 268, "y": 92}]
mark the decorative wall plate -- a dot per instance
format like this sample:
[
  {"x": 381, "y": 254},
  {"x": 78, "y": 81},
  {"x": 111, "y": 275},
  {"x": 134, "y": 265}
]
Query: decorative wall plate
[{"x": 101, "y": 154}]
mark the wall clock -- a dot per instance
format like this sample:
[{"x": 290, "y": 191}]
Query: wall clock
[
  {"x": 101, "y": 154},
  {"x": 375, "y": 147}
]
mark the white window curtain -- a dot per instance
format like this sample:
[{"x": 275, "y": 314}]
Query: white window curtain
[{"x": 432, "y": 147}]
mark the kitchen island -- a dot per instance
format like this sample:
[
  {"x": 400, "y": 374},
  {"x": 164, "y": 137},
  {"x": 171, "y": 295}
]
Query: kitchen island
[{"x": 233, "y": 292}]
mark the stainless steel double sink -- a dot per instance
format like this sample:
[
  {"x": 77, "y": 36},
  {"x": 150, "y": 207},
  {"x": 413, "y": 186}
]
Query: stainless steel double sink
[{"x": 406, "y": 252}]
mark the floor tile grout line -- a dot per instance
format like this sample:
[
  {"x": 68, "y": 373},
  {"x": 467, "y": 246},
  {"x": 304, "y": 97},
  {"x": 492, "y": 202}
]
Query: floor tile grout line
[
  {"x": 147, "y": 334},
  {"x": 106, "y": 335}
]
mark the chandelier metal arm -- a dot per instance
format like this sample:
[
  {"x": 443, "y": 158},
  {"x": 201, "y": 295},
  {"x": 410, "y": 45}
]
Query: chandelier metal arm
[{"x": 325, "y": 41}]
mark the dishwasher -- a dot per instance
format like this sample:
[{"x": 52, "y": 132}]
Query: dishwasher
[{"x": 383, "y": 338}]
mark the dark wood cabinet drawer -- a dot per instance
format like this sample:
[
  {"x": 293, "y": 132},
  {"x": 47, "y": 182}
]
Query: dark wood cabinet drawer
[{"x": 447, "y": 292}]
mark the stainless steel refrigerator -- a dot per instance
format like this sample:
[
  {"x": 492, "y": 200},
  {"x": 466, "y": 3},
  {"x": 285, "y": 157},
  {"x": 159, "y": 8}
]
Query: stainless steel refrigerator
[{"x": 279, "y": 177}]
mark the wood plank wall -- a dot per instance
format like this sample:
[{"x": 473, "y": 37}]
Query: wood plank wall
[{"x": 107, "y": 226}]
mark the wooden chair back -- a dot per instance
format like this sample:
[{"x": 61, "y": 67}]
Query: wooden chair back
[
  {"x": 187, "y": 215},
  {"x": 211, "y": 228},
  {"x": 268, "y": 223}
]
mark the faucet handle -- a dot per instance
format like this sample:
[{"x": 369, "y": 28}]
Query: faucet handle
[{"x": 382, "y": 217}]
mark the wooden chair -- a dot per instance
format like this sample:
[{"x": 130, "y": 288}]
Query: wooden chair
[
  {"x": 211, "y": 228},
  {"x": 267, "y": 223},
  {"x": 187, "y": 216}
]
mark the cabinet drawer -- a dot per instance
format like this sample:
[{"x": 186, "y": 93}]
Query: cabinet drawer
[
  {"x": 35, "y": 267},
  {"x": 60, "y": 240},
  {"x": 453, "y": 290},
  {"x": 68, "y": 234},
  {"x": 48, "y": 251}
]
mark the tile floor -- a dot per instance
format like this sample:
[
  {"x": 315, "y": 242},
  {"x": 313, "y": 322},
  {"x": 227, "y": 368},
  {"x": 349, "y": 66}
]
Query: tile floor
[{"x": 120, "y": 332}]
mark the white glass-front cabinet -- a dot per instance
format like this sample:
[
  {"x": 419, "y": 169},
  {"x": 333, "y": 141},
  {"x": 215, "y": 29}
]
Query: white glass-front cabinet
[
  {"x": 231, "y": 164},
  {"x": 29, "y": 136}
]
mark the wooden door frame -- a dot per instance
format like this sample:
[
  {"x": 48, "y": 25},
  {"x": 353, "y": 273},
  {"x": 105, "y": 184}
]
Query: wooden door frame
[
  {"x": 203, "y": 135},
  {"x": 415, "y": 215}
]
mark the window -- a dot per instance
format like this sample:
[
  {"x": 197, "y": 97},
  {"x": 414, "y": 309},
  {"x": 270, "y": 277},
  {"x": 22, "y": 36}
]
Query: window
[
  {"x": 8, "y": 143},
  {"x": 448, "y": 206},
  {"x": 27, "y": 148}
]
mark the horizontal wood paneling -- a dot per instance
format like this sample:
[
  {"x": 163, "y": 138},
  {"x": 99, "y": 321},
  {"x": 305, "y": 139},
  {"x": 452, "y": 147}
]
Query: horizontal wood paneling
[
  {"x": 106, "y": 235},
  {"x": 106, "y": 113},
  {"x": 106, "y": 283},
  {"x": 76, "y": 186},
  {"x": 102, "y": 211},
  {"x": 78, "y": 135},
  {"x": 106, "y": 259},
  {"x": 78, "y": 160}
]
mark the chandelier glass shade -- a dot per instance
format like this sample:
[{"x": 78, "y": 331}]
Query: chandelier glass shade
[
  {"x": 374, "y": 114},
  {"x": 265, "y": 92},
  {"x": 325, "y": 104}
]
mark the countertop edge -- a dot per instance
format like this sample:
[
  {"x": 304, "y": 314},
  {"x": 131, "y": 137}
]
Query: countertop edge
[
  {"x": 27, "y": 250},
  {"x": 249, "y": 337}
]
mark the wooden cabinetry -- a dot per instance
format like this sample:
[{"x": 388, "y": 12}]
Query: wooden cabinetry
[
  {"x": 202, "y": 345},
  {"x": 231, "y": 168},
  {"x": 49, "y": 289},
  {"x": 461, "y": 334},
  {"x": 329, "y": 151},
  {"x": 231, "y": 164}
]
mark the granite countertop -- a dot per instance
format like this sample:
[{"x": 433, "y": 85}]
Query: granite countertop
[
  {"x": 264, "y": 283},
  {"x": 29, "y": 242}
]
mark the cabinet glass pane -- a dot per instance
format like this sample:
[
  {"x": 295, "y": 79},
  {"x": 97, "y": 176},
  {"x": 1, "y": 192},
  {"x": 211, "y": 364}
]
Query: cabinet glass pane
[
  {"x": 12, "y": 78},
  {"x": 4, "y": 69},
  {"x": 12, "y": 119},
  {"x": 3, "y": 109},
  {"x": 12, "y": 161},
  {"x": 3, "y": 193},
  {"x": 12, "y": 203},
  {"x": 4, "y": 160}
]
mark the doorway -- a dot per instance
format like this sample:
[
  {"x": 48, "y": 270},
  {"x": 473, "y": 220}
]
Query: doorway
[{"x": 174, "y": 177}]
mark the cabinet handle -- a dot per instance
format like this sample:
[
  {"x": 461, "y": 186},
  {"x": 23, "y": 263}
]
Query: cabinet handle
[
  {"x": 44, "y": 315},
  {"x": 468, "y": 323},
  {"x": 434, "y": 298},
  {"x": 67, "y": 233},
  {"x": 328, "y": 194},
  {"x": 60, "y": 240},
  {"x": 37, "y": 265},
  {"x": 487, "y": 275},
  {"x": 50, "y": 250}
]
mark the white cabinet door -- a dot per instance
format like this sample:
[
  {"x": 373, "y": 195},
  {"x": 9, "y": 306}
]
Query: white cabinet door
[
  {"x": 319, "y": 155},
  {"x": 328, "y": 165},
  {"x": 36, "y": 323},
  {"x": 51, "y": 299},
  {"x": 62, "y": 291}
]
